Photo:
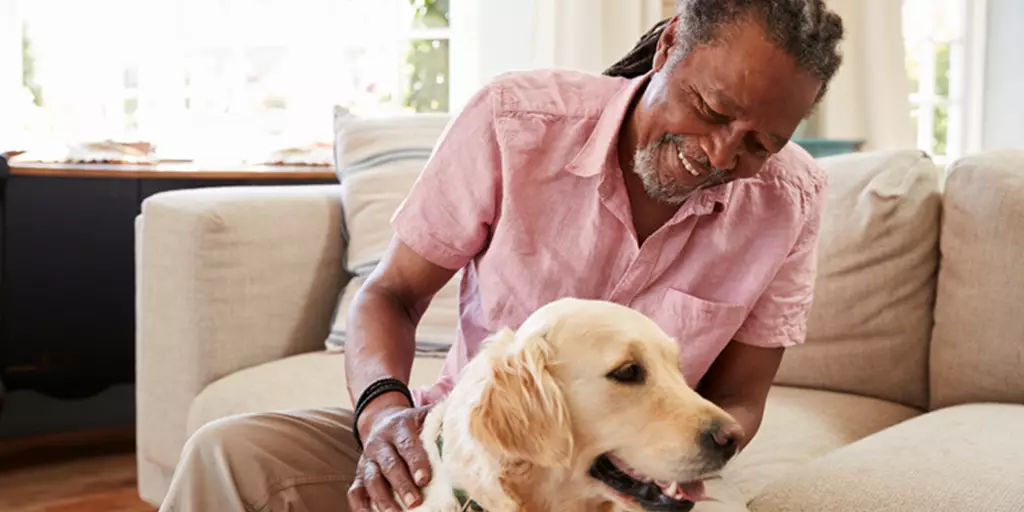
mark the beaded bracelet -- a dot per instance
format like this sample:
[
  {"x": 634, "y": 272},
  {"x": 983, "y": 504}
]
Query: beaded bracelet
[{"x": 374, "y": 390}]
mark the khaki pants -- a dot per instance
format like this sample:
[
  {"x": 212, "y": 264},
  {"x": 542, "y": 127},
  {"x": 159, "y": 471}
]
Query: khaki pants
[{"x": 292, "y": 461}]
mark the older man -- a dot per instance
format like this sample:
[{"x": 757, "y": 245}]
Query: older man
[{"x": 673, "y": 189}]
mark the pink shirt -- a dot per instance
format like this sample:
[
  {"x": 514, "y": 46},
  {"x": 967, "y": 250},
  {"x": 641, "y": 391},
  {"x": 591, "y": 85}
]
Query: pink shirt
[{"x": 525, "y": 193}]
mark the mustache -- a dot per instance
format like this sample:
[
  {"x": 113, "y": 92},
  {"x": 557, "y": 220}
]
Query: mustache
[
  {"x": 692, "y": 151},
  {"x": 695, "y": 154}
]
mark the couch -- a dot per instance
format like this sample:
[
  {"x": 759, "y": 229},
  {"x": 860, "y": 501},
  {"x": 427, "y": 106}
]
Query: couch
[{"x": 907, "y": 395}]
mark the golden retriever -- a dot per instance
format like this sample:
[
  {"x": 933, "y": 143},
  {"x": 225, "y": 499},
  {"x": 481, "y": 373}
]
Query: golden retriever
[{"x": 582, "y": 408}]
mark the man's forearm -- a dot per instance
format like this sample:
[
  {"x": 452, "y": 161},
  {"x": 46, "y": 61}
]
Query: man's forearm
[
  {"x": 749, "y": 416},
  {"x": 382, "y": 323},
  {"x": 739, "y": 382},
  {"x": 381, "y": 343}
]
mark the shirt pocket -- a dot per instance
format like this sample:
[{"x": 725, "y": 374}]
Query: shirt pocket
[{"x": 701, "y": 327}]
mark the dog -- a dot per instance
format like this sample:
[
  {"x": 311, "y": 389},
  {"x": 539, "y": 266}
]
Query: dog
[{"x": 582, "y": 408}]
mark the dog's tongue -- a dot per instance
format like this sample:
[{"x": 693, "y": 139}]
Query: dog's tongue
[{"x": 690, "y": 491}]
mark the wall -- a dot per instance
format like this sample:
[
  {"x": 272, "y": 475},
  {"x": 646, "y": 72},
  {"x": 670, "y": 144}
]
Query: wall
[
  {"x": 498, "y": 32},
  {"x": 501, "y": 35},
  {"x": 668, "y": 7},
  {"x": 1003, "y": 122}
]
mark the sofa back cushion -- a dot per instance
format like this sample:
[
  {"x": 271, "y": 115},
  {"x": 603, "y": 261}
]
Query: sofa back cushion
[
  {"x": 977, "y": 352},
  {"x": 871, "y": 319},
  {"x": 378, "y": 160}
]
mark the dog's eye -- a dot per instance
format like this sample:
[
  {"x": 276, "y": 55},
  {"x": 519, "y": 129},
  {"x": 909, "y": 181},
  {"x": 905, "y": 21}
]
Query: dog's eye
[{"x": 630, "y": 373}]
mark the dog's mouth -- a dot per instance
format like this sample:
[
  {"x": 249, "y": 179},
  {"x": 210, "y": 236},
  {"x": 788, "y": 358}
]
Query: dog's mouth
[{"x": 647, "y": 492}]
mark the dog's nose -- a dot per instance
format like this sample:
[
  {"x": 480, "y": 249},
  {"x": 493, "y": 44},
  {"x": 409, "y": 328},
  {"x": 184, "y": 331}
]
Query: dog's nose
[{"x": 723, "y": 438}]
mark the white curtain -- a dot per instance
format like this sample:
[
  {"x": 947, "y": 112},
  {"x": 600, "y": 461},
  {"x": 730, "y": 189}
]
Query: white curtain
[
  {"x": 589, "y": 35},
  {"x": 869, "y": 96}
]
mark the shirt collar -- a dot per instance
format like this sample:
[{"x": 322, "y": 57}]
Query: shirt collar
[{"x": 590, "y": 160}]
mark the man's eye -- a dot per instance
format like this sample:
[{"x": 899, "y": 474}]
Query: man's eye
[{"x": 711, "y": 113}]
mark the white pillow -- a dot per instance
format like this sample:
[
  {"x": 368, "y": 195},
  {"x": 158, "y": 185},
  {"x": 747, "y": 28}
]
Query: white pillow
[{"x": 378, "y": 161}]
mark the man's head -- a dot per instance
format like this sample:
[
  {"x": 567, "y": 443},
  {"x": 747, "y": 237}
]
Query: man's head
[{"x": 732, "y": 81}]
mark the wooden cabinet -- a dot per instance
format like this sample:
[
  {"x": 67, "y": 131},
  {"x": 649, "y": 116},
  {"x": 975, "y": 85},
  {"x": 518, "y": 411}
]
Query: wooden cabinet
[{"x": 67, "y": 273}]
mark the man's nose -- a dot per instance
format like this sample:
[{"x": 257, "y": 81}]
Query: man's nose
[
  {"x": 722, "y": 438},
  {"x": 723, "y": 149}
]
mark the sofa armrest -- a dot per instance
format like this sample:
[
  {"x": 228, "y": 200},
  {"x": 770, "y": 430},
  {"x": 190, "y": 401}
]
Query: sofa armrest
[{"x": 227, "y": 278}]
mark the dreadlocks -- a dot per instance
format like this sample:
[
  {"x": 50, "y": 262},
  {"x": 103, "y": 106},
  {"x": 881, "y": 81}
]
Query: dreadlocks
[{"x": 805, "y": 29}]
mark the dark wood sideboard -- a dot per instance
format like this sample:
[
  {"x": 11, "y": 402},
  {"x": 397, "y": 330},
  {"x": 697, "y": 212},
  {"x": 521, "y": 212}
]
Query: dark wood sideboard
[{"x": 67, "y": 266}]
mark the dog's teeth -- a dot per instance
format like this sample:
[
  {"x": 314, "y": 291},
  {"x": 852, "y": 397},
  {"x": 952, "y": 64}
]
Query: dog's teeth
[{"x": 672, "y": 490}]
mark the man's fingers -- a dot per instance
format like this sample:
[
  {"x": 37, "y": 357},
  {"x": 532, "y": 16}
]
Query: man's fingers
[
  {"x": 358, "y": 498},
  {"x": 410, "y": 448},
  {"x": 397, "y": 474},
  {"x": 378, "y": 488}
]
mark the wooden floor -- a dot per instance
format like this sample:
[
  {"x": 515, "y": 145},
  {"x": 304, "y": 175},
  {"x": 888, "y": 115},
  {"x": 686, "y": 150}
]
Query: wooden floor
[{"x": 83, "y": 472}]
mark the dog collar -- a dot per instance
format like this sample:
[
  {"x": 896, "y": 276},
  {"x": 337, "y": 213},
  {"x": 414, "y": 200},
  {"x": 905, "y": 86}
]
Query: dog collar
[{"x": 465, "y": 503}]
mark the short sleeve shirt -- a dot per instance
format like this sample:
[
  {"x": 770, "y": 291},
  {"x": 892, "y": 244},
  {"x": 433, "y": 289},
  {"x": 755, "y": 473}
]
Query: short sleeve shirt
[{"x": 524, "y": 193}]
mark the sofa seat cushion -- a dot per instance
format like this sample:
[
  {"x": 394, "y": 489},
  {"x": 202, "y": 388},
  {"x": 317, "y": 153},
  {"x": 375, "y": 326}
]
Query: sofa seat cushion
[
  {"x": 801, "y": 425},
  {"x": 966, "y": 457},
  {"x": 315, "y": 379}
]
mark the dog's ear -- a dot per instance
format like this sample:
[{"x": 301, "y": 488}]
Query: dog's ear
[{"x": 522, "y": 411}]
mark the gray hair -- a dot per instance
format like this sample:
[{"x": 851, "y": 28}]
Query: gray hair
[{"x": 805, "y": 29}]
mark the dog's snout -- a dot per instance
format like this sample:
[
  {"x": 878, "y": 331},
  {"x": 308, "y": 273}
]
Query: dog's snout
[
  {"x": 727, "y": 434},
  {"x": 722, "y": 438}
]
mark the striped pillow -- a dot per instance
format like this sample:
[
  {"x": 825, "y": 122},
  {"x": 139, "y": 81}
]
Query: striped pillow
[{"x": 378, "y": 161}]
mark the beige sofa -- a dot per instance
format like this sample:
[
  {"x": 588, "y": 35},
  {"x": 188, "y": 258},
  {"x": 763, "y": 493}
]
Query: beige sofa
[{"x": 908, "y": 395}]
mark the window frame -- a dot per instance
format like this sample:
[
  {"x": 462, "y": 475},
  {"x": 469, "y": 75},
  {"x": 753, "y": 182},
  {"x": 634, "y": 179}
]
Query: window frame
[{"x": 964, "y": 102}]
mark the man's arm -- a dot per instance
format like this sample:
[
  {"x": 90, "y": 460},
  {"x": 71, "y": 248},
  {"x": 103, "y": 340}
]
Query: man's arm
[
  {"x": 383, "y": 320},
  {"x": 738, "y": 382},
  {"x": 740, "y": 378},
  {"x": 441, "y": 225}
]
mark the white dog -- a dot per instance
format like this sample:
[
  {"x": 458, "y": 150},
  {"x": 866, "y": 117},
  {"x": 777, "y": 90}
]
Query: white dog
[{"x": 583, "y": 408}]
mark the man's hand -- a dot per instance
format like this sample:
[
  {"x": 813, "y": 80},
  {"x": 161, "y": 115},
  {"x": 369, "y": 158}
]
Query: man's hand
[
  {"x": 739, "y": 381},
  {"x": 393, "y": 458},
  {"x": 381, "y": 343}
]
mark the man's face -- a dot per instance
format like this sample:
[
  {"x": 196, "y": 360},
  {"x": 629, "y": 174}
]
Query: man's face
[{"x": 719, "y": 113}]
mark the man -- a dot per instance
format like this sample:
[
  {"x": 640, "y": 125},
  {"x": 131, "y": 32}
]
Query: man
[{"x": 674, "y": 191}]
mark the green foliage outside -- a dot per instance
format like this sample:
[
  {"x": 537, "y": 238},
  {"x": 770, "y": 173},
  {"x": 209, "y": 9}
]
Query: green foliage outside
[
  {"x": 427, "y": 60},
  {"x": 28, "y": 68},
  {"x": 940, "y": 115}
]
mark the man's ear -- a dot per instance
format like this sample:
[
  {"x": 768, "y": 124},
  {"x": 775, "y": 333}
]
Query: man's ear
[
  {"x": 666, "y": 44},
  {"x": 522, "y": 411}
]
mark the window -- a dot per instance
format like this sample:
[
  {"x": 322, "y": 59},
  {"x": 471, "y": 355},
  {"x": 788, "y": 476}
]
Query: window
[
  {"x": 224, "y": 80},
  {"x": 943, "y": 57}
]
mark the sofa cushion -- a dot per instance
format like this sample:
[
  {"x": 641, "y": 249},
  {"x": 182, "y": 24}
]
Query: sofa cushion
[
  {"x": 977, "y": 352},
  {"x": 315, "y": 379},
  {"x": 378, "y": 161},
  {"x": 962, "y": 458},
  {"x": 871, "y": 318},
  {"x": 800, "y": 425}
]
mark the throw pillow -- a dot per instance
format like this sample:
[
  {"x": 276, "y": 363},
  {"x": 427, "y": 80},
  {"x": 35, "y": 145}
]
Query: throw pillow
[
  {"x": 378, "y": 161},
  {"x": 871, "y": 319}
]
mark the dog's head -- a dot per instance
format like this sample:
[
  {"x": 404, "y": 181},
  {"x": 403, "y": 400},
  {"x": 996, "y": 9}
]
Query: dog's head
[{"x": 595, "y": 388}]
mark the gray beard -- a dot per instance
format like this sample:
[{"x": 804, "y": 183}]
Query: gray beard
[{"x": 645, "y": 165}]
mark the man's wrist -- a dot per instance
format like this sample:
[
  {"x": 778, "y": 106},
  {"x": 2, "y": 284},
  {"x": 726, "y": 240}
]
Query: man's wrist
[{"x": 390, "y": 401}]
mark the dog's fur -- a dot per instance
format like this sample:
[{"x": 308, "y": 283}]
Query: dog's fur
[{"x": 535, "y": 408}]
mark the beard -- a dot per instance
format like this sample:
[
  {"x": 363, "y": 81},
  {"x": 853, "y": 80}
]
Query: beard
[{"x": 660, "y": 182}]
